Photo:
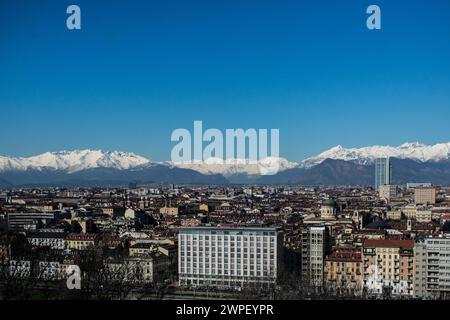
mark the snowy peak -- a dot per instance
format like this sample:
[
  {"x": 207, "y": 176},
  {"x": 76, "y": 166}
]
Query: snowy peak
[
  {"x": 73, "y": 161},
  {"x": 232, "y": 167},
  {"x": 366, "y": 155},
  {"x": 78, "y": 160},
  {"x": 409, "y": 145}
]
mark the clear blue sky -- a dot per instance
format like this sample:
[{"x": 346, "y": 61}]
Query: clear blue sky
[{"x": 139, "y": 69}]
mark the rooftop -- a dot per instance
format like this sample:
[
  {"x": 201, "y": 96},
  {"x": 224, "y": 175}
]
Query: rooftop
[
  {"x": 388, "y": 243},
  {"x": 231, "y": 227},
  {"x": 345, "y": 254}
]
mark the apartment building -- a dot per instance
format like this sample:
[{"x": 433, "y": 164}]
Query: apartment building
[
  {"x": 425, "y": 195},
  {"x": 434, "y": 268},
  {"x": 389, "y": 267},
  {"x": 143, "y": 268},
  {"x": 315, "y": 245},
  {"x": 420, "y": 269},
  {"x": 169, "y": 211},
  {"x": 80, "y": 241},
  {"x": 394, "y": 214},
  {"x": 411, "y": 211},
  {"x": 53, "y": 240},
  {"x": 28, "y": 220},
  {"x": 229, "y": 255},
  {"x": 344, "y": 270},
  {"x": 424, "y": 214},
  {"x": 141, "y": 249},
  {"x": 388, "y": 191}
]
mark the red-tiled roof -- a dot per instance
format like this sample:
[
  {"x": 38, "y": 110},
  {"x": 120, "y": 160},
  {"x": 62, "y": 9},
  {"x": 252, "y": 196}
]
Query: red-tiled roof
[
  {"x": 81, "y": 236},
  {"x": 345, "y": 254},
  {"x": 389, "y": 243}
]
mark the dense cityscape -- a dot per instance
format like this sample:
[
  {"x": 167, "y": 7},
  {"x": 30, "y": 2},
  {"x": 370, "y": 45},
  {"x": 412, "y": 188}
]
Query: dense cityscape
[
  {"x": 212, "y": 159},
  {"x": 171, "y": 241}
]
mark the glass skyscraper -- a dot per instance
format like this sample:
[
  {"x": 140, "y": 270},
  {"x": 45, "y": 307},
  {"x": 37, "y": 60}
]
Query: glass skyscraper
[{"x": 383, "y": 172}]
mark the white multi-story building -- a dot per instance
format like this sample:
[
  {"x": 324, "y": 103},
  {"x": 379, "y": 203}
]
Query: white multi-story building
[
  {"x": 28, "y": 220},
  {"x": 388, "y": 191},
  {"x": 53, "y": 240},
  {"x": 229, "y": 256},
  {"x": 437, "y": 266}
]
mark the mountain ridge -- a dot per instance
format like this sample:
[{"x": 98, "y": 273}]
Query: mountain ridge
[
  {"x": 366, "y": 155},
  {"x": 337, "y": 165},
  {"x": 78, "y": 160},
  {"x": 73, "y": 161}
]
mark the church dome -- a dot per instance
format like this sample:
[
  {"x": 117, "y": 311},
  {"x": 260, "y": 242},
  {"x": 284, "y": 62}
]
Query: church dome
[
  {"x": 329, "y": 203},
  {"x": 328, "y": 209}
]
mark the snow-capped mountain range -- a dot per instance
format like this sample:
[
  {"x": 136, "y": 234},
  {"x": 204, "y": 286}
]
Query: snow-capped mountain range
[
  {"x": 232, "y": 167},
  {"x": 366, "y": 155},
  {"x": 75, "y": 161}
]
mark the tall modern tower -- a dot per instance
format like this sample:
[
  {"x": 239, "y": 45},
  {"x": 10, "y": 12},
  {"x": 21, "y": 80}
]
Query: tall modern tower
[{"x": 383, "y": 172}]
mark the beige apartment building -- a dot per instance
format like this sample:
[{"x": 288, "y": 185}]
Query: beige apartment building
[
  {"x": 394, "y": 214},
  {"x": 344, "y": 270},
  {"x": 169, "y": 211},
  {"x": 388, "y": 191},
  {"x": 425, "y": 195},
  {"x": 424, "y": 215},
  {"x": 411, "y": 211},
  {"x": 80, "y": 241},
  {"x": 389, "y": 267}
]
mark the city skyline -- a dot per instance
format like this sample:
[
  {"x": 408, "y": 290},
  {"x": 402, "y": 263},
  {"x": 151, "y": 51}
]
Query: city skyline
[
  {"x": 135, "y": 72},
  {"x": 223, "y": 158},
  {"x": 227, "y": 242}
]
